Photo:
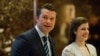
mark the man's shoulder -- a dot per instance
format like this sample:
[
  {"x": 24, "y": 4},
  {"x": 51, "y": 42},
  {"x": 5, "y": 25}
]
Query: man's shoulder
[
  {"x": 27, "y": 34},
  {"x": 26, "y": 37}
]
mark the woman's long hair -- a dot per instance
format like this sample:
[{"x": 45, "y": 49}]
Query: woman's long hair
[{"x": 76, "y": 22}]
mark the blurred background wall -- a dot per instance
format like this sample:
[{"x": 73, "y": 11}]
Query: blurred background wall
[{"x": 17, "y": 16}]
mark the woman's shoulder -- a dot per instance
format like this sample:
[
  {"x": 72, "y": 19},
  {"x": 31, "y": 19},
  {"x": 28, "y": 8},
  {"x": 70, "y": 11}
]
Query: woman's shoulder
[
  {"x": 90, "y": 46},
  {"x": 92, "y": 49},
  {"x": 68, "y": 50},
  {"x": 70, "y": 46}
]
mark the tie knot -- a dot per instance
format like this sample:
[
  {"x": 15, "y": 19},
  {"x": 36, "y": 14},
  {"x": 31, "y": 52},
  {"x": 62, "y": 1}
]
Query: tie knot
[{"x": 44, "y": 38}]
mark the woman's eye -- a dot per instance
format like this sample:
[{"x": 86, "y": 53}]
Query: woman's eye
[{"x": 83, "y": 28}]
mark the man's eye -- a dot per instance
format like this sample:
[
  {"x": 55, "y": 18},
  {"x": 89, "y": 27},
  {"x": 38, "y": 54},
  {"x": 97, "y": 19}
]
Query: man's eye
[
  {"x": 45, "y": 17},
  {"x": 51, "y": 18}
]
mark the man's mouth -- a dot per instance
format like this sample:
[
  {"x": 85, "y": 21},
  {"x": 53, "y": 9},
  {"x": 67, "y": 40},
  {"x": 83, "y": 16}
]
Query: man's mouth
[{"x": 47, "y": 26}]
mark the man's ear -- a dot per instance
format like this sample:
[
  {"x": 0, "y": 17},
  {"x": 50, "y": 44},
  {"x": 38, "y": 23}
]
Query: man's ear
[
  {"x": 36, "y": 19},
  {"x": 74, "y": 32}
]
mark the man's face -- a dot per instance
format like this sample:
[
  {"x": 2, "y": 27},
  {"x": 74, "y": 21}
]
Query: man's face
[
  {"x": 82, "y": 33},
  {"x": 46, "y": 20}
]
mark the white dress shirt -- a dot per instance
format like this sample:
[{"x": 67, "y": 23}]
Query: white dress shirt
[{"x": 41, "y": 34}]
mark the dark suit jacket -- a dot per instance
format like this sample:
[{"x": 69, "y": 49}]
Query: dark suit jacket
[{"x": 29, "y": 44}]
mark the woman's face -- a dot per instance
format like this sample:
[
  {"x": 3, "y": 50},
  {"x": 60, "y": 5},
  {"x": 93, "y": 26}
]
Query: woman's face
[{"x": 82, "y": 33}]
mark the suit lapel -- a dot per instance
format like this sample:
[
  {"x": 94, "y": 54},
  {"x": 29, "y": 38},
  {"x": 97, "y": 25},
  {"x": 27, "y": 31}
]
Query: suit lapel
[
  {"x": 78, "y": 51},
  {"x": 51, "y": 45},
  {"x": 38, "y": 42},
  {"x": 89, "y": 49}
]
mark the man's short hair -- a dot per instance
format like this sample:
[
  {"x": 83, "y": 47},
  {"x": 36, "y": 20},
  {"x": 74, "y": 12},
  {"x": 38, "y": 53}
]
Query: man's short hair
[{"x": 48, "y": 6}]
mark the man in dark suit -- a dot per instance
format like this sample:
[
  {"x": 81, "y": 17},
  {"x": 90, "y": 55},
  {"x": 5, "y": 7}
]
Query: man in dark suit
[{"x": 30, "y": 43}]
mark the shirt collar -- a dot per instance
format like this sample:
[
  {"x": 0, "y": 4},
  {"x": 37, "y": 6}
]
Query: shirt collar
[{"x": 41, "y": 34}]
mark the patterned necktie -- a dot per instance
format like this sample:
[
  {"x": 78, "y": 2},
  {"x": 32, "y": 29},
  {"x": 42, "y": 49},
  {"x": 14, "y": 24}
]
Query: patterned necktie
[{"x": 45, "y": 46}]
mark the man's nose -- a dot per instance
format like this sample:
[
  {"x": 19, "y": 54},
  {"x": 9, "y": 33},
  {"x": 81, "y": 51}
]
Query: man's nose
[{"x": 48, "y": 20}]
